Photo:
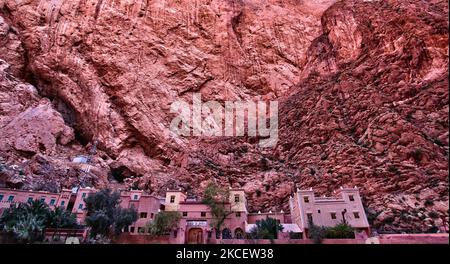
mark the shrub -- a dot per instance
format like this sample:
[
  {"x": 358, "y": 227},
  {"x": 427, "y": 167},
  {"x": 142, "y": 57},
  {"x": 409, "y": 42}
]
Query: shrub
[
  {"x": 340, "y": 231},
  {"x": 266, "y": 229},
  {"x": 316, "y": 233},
  {"x": 433, "y": 215},
  {"x": 428, "y": 202}
]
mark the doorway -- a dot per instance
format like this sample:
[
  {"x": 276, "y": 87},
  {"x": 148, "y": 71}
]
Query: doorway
[{"x": 195, "y": 236}]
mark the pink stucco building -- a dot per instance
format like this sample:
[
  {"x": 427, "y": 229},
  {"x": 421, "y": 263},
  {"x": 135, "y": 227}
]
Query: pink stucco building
[
  {"x": 196, "y": 224},
  {"x": 346, "y": 205},
  {"x": 13, "y": 196}
]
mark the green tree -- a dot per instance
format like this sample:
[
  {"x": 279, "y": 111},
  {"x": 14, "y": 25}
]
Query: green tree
[
  {"x": 315, "y": 232},
  {"x": 123, "y": 218},
  {"x": 266, "y": 229},
  {"x": 61, "y": 218},
  {"x": 217, "y": 200},
  {"x": 104, "y": 213},
  {"x": 163, "y": 223},
  {"x": 26, "y": 220}
]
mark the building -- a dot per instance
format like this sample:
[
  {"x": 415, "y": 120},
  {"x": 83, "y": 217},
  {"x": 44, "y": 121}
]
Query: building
[
  {"x": 197, "y": 222},
  {"x": 146, "y": 205},
  {"x": 346, "y": 206},
  {"x": 10, "y": 197}
]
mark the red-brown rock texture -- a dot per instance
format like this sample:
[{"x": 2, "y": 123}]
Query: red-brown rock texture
[{"x": 362, "y": 87}]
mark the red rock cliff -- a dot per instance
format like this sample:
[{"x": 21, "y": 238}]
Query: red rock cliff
[{"x": 362, "y": 87}]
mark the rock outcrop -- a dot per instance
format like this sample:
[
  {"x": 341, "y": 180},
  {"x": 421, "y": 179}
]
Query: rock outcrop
[{"x": 362, "y": 87}]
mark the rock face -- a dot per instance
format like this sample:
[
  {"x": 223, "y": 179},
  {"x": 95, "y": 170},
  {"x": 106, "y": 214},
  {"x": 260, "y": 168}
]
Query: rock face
[{"x": 362, "y": 87}]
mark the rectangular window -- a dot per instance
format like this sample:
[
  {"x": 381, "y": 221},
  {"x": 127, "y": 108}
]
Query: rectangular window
[
  {"x": 63, "y": 203},
  {"x": 310, "y": 217},
  {"x": 356, "y": 215},
  {"x": 1, "y": 197},
  {"x": 80, "y": 206},
  {"x": 184, "y": 213},
  {"x": 333, "y": 215},
  {"x": 141, "y": 230},
  {"x": 132, "y": 229},
  {"x": 52, "y": 202},
  {"x": 43, "y": 199},
  {"x": 143, "y": 215},
  {"x": 238, "y": 214},
  {"x": 10, "y": 198},
  {"x": 30, "y": 199},
  {"x": 151, "y": 215},
  {"x": 318, "y": 211},
  {"x": 136, "y": 197},
  {"x": 306, "y": 199},
  {"x": 351, "y": 198},
  {"x": 236, "y": 198},
  {"x": 172, "y": 199},
  {"x": 203, "y": 214},
  {"x": 83, "y": 195},
  {"x": 175, "y": 233}
]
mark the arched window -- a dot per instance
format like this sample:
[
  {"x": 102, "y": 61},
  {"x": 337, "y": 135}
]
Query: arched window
[
  {"x": 239, "y": 233},
  {"x": 226, "y": 234}
]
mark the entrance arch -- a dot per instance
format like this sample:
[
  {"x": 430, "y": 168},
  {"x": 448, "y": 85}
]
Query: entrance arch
[{"x": 195, "y": 236}]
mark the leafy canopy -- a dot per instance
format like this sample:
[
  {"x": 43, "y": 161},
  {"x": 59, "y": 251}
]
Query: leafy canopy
[
  {"x": 217, "y": 200},
  {"x": 104, "y": 213}
]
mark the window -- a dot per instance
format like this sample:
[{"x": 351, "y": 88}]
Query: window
[
  {"x": 30, "y": 199},
  {"x": 184, "y": 213},
  {"x": 141, "y": 230},
  {"x": 83, "y": 195},
  {"x": 151, "y": 215},
  {"x": 238, "y": 214},
  {"x": 318, "y": 211},
  {"x": 175, "y": 233},
  {"x": 132, "y": 229},
  {"x": 203, "y": 214},
  {"x": 63, "y": 203},
  {"x": 172, "y": 199},
  {"x": 236, "y": 198},
  {"x": 43, "y": 199},
  {"x": 1, "y": 197},
  {"x": 143, "y": 215},
  {"x": 356, "y": 215},
  {"x": 136, "y": 197},
  {"x": 80, "y": 206},
  {"x": 306, "y": 199},
  {"x": 52, "y": 202},
  {"x": 351, "y": 198},
  {"x": 333, "y": 215},
  {"x": 10, "y": 198},
  {"x": 310, "y": 217}
]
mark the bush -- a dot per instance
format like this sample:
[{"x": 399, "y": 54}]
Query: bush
[
  {"x": 340, "y": 231},
  {"x": 316, "y": 233},
  {"x": 428, "y": 202},
  {"x": 266, "y": 229}
]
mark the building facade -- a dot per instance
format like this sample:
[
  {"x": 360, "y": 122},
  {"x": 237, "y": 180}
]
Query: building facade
[{"x": 345, "y": 206}]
